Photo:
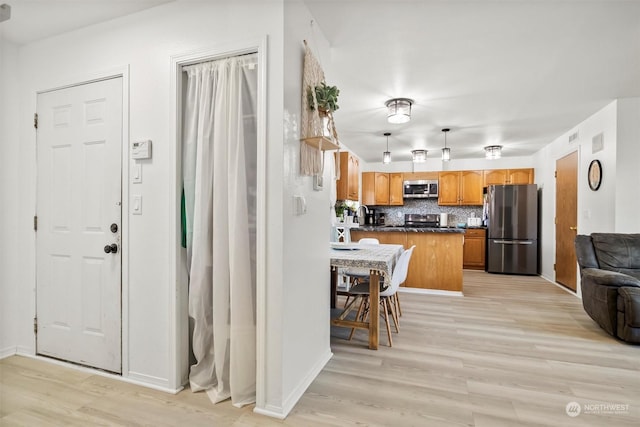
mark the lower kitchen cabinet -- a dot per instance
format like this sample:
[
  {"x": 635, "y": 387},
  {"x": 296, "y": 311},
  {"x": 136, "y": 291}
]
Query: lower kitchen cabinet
[
  {"x": 436, "y": 262},
  {"x": 474, "y": 249}
]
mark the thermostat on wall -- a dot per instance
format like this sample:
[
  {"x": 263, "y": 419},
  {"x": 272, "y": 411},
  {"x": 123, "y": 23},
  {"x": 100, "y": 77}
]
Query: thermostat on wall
[{"x": 141, "y": 150}]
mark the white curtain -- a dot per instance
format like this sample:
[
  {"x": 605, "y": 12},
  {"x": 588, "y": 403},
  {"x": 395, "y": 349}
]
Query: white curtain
[{"x": 219, "y": 175}]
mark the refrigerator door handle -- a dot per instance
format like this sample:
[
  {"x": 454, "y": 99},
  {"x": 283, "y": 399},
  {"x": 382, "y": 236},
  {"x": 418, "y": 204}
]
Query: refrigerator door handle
[{"x": 511, "y": 242}]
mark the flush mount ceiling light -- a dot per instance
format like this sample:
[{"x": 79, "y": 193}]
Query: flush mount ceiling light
[
  {"x": 493, "y": 151},
  {"x": 399, "y": 110},
  {"x": 419, "y": 156},
  {"x": 446, "y": 152},
  {"x": 386, "y": 156}
]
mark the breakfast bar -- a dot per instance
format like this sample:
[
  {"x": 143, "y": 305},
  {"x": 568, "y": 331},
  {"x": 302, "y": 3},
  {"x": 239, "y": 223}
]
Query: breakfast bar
[{"x": 436, "y": 264}]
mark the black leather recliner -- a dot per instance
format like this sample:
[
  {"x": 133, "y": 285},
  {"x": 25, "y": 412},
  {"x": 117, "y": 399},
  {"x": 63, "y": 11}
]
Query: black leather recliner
[{"x": 610, "y": 277}]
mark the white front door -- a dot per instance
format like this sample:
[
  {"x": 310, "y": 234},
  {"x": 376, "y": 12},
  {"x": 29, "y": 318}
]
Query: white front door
[{"x": 78, "y": 293}]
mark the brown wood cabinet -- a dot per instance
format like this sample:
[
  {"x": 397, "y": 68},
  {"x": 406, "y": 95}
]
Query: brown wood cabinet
[
  {"x": 508, "y": 176},
  {"x": 460, "y": 188},
  {"x": 416, "y": 176},
  {"x": 347, "y": 185},
  {"x": 382, "y": 189},
  {"x": 436, "y": 262},
  {"x": 474, "y": 255},
  {"x": 396, "y": 189}
]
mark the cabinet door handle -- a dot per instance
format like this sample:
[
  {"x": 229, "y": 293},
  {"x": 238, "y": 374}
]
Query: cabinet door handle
[{"x": 573, "y": 228}]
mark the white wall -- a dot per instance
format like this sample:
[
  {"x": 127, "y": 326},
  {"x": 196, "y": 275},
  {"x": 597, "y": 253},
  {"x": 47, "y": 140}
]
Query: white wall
[
  {"x": 296, "y": 328},
  {"x": 10, "y": 285},
  {"x": 306, "y": 257},
  {"x": 628, "y": 166},
  {"x": 596, "y": 209}
]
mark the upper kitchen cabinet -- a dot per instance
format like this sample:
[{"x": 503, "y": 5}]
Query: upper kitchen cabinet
[
  {"x": 347, "y": 185},
  {"x": 395, "y": 189},
  {"x": 382, "y": 189},
  {"x": 460, "y": 188},
  {"x": 508, "y": 176}
]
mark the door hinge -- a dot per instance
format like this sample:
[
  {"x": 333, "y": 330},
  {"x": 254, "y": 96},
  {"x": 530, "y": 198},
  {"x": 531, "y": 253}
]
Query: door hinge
[
  {"x": 35, "y": 325},
  {"x": 554, "y": 266},
  {"x": 35, "y": 120},
  {"x": 35, "y": 222},
  {"x": 555, "y": 174}
]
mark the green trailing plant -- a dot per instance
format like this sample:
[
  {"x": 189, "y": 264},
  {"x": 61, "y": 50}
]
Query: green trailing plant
[{"x": 326, "y": 97}]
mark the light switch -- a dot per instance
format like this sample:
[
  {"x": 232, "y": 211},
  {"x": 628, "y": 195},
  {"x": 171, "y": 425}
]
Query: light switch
[
  {"x": 136, "y": 173},
  {"x": 299, "y": 205},
  {"x": 136, "y": 205}
]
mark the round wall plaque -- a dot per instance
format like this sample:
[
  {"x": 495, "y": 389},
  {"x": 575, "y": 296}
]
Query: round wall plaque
[{"x": 595, "y": 175}]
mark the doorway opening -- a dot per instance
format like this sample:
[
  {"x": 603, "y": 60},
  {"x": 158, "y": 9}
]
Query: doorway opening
[{"x": 233, "y": 191}]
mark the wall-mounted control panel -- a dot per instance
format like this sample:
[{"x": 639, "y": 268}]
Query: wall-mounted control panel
[{"x": 141, "y": 150}]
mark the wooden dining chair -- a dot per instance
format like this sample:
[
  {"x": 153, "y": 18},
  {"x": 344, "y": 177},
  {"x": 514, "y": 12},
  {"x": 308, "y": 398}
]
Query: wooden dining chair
[{"x": 355, "y": 274}]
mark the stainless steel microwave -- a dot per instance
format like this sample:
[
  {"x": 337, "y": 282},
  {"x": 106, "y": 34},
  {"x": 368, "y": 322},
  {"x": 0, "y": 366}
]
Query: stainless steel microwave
[{"x": 420, "y": 189}]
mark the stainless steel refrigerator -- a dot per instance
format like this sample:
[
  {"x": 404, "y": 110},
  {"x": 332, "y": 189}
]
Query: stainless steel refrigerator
[{"x": 512, "y": 234}]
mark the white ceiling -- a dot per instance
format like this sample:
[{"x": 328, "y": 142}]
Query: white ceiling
[
  {"x": 512, "y": 72},
  {"x": 33, "y": 20}
]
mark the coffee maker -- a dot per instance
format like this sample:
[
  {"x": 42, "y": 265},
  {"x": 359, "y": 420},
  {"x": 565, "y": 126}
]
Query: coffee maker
[
  {"x": 370, "y": 217},
  {"x": 380, "y": 218}
]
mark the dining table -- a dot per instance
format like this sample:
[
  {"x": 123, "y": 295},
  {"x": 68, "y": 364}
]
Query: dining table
[{"x": 380, "y": 260}]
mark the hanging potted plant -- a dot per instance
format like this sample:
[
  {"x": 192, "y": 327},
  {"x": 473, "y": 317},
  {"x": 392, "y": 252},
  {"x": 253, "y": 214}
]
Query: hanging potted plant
[{"x": 326, "y": 99}]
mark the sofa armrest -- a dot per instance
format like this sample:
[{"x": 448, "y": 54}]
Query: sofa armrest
[{"x": 609, "y": 278}]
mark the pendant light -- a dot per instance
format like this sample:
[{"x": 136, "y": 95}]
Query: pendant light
[
  {"x": 493, "y": 151},
  {"x": 399, "y": 110},
  {"x": 386, "y": 156},
  {"x": 446, "y": 152},
  {"x": 419, "y": 156}
]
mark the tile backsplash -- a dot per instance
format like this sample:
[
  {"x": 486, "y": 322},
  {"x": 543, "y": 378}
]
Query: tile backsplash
[{"x": 395, "y": 214}]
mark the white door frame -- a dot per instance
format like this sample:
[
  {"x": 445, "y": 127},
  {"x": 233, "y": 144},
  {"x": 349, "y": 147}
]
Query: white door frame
[
  {"x": 179, "y": 310},
  {"x": 85, "y": 78}
]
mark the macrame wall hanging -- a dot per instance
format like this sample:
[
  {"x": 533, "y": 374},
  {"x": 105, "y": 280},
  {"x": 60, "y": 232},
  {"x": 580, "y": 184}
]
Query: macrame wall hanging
[{"x": 318, "y": 132}]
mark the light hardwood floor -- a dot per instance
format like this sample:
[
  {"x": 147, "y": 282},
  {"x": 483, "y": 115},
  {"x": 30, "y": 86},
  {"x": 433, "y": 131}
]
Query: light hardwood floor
[{"x": 514, "y": 351}]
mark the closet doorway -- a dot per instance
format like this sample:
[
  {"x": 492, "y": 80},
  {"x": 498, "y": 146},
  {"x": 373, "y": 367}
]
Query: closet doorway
[{"x": 220, "y": 184}]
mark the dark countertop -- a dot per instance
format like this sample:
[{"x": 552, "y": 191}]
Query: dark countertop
[{"x": 408, "y": 229}]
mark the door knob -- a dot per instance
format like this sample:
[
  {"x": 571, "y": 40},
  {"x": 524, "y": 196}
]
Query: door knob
[
  {"x": 112, "y": 248},
  {"x": 573, "y": 228},
  {"x": 114, "y": 228}
]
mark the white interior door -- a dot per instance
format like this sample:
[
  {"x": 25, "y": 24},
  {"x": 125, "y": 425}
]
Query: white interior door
[{"x": 78, "y": 295}]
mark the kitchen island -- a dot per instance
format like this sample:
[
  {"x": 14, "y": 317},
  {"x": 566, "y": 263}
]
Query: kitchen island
[{"x": 436, "y": 263}]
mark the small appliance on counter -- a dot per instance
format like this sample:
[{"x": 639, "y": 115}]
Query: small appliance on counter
[
  {"x": 370, "y": 217},
  {"x": 444, "y": 220},
  {"x": 422, "y": 220},
  {"x": 380, "y": 218},
  {"x": 474, "y": 222}
]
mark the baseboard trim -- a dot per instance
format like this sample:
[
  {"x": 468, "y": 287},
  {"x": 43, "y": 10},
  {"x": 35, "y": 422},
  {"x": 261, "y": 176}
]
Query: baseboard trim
[
  {"x": 295, "y": 395},
  {"x": 150, "y": 381},
  {"x": 8, "y": 352},
  {"x": 92, "y": 371},
  {"x": 430, "y": 292},
  {"x": 564, "y": 288}
]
